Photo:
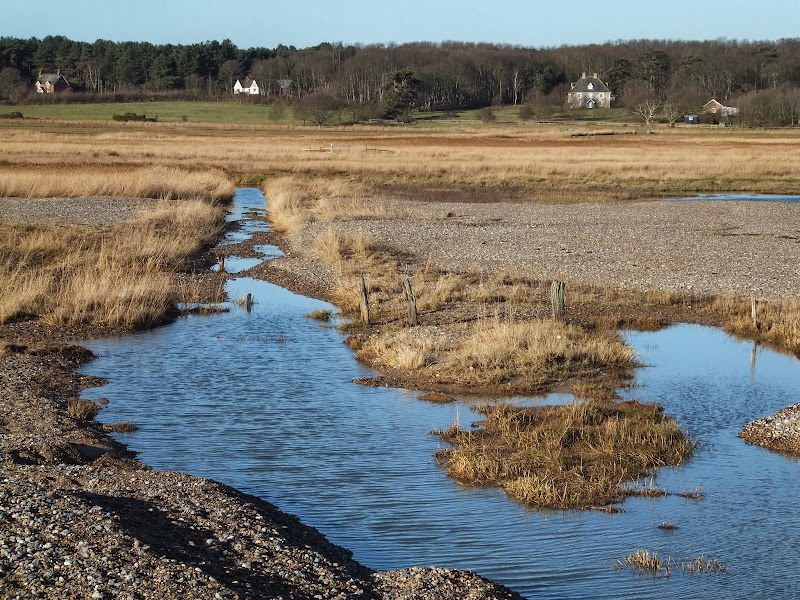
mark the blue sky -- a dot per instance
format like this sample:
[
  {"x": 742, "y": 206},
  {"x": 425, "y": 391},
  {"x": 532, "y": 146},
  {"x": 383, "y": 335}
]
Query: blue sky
[{"x": 307, "y": 22}]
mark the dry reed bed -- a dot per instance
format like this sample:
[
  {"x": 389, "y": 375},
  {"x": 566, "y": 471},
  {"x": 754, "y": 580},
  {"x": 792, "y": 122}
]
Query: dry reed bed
[
  {"x": 121, "y": 276},
  {"x": 159, "y": 182},
  {"x": 543, "y": 157},
  {"x": 579, "y": 455}
]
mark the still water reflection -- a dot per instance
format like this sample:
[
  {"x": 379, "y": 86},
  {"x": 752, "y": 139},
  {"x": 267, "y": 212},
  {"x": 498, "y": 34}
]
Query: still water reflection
[{"x": 264, "y": 402}]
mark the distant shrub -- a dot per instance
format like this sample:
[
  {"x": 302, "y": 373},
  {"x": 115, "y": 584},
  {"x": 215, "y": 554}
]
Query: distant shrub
[
  {"x": 12, "y": 115},
  {"x": 134, "y": 117}
]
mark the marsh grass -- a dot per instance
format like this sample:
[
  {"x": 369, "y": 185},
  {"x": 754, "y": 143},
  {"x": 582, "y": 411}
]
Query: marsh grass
[
  {"x": 121, "y": 276},
  {"x": 295, "y": 201},
  {"x": 645, "y": 563},
  {"x": 540, "y": 160},
  {"x": 321, "y": 314},
  {"x": 578, "y": 455},
  {"x": 778, "y": 321},
  {"x": 81, "y": 409},
  {"x": 159, "y": 182},
  {"x": 515, "y": 356}
]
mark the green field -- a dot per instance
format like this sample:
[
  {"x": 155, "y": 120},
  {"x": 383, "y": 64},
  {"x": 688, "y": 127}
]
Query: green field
[
  {"x": 193, "y": 112},
  {"x": 264, "y": 114}
]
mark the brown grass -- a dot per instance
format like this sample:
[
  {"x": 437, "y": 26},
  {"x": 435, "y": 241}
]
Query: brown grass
[
  {"x": 778, "y": 321},
  {"x": 643, "y": 562},
  {"x": 546, "y": 161},
  {"x": 83, "y": 410},
  {"x": 578, "y": 455},
  {"x": 293, "y": 202},
  {"x": 159, "y": 182},
  {"x": 519, "y": 357},
  {"x": 121, "y": 277}
]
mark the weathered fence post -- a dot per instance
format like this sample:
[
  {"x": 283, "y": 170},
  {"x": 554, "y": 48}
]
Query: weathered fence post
[
  {"x": 754, "y": 311},
  {"x": 364, "y": 303},
  {"x": 411, "y": 304},
  {"x": 557, "y": 299},
  {"x": 248, "y": 303},
  {"x": 222, "y": 263}
]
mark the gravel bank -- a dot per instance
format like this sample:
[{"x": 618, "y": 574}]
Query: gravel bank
[
  {"x": 780, "y": 431},
  {"x": 86, "y": 210},
  {"x": 707, "y": 247}
]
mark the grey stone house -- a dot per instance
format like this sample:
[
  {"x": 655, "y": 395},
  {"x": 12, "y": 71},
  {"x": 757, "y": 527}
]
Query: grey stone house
[{"x": 589, "y": 92}]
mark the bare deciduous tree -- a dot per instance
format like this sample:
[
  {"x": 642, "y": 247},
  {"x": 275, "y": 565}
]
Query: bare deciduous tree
[
  {"x": 646, "y": 110},
  {"x": 672, "y": 113}
]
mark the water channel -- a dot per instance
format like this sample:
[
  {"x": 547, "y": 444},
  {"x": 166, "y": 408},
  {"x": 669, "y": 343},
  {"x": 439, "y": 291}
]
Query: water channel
[{"x": 264, "y": 401}]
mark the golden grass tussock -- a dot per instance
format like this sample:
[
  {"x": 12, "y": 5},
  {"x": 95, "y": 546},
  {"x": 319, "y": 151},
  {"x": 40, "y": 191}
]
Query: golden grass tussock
[
  {"x": 83, "y": 410},
  {"x": 643, "y": 562},
  {"x": 159, "y": 182},
  {"x": 522, "y": 357},
  {"x": 579, "y": 455},
  {"x": 121, "y": 276},
  {"x": 293, "y": 201}
]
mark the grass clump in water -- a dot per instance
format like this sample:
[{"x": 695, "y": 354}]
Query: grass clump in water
[
  {"x": 320, "y": 314},
  {"x": 579, "y": 455},
  {"x": 643, "y": 562}
]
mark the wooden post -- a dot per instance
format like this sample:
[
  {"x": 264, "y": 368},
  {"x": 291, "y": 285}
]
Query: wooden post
[
  {"x": 557, "y": 299},
  {"x": 248, "y": 303},
  {"x": 754, "y": 311},
  {"x": 222, "y": 263},
  {"x": 364, "y": 303},
  {"x": 411, "y": 304}
]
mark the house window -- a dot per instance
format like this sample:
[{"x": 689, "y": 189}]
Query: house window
[
  {"x": 578, "y": 95},
  {"x": 590, "y": 86},
  {"x": 601, "y": 94}
]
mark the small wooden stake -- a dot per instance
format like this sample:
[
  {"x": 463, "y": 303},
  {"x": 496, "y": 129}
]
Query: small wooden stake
[
  {"x": 754, "y": 312},
  {"x": 557, "y": 299},
  {"x": 364, "y": 303},
  {"x": 248, "y": 303},
  {"x": 411, "y": 304},
  {"x": 222, "y": 263}
]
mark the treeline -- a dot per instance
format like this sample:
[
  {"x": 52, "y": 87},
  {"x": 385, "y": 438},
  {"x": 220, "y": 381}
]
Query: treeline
[{"x": 434, "y": 76}]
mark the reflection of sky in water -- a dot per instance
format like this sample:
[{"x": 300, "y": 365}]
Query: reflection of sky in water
[
  {"x": 745, "y": 197},
  {"x": 264, "y": 402}
]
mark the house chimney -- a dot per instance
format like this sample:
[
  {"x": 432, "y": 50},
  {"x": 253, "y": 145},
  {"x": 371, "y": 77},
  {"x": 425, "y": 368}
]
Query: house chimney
[
  {"x": 40, "y": 71},
  {"x": 594, "y": 75},
  {"x": 58, "y": 73},
  {"x": 583, "y": 75}
]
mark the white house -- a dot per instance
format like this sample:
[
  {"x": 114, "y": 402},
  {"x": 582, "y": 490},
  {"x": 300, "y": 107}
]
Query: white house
[{"x": 250, "y": 88}]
